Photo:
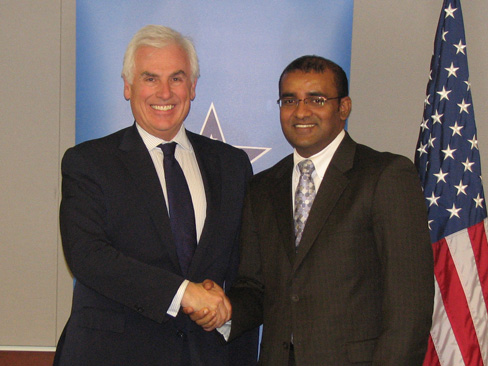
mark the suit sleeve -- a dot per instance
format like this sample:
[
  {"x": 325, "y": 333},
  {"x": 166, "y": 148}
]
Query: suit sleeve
[
  {"x": 90, "y": 254},
  {"x": 247, "y": 294},
  {"x": 233, "y": 266},
  {"x": 403, "y": 243}
]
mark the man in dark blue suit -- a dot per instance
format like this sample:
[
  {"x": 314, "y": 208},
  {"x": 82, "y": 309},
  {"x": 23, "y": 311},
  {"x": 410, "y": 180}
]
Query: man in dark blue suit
[{"x": 116, "y": 225}]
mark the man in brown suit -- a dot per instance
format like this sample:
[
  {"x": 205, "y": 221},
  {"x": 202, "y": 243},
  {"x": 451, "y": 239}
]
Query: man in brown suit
[{"x": 355, "y": 285}]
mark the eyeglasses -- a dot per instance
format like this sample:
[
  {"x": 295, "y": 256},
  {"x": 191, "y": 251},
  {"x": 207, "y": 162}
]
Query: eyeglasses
[{"x": 313, "y": 101}]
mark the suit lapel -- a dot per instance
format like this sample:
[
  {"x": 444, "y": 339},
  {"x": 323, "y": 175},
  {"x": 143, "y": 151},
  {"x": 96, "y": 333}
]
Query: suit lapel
[
  {"x": 329, "y": 193},
  {"x": 209, "y": 164},
  {"x": 283, "y": 207},
  {"x": 134, "y": 154}
]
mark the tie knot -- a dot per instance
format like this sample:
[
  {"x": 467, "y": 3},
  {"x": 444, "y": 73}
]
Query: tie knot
[
  {"x": 306, "y": 167},
  {"x": 168, "y": 149}
]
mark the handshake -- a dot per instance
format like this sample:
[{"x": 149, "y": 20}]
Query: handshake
[{"x": 206, "y": 304}]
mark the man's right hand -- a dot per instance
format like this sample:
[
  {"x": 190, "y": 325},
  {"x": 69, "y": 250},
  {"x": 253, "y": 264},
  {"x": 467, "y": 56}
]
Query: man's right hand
[{"x": 206, "y": 304}]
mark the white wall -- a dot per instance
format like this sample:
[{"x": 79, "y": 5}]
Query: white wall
[{"x": 392, "y": 45}]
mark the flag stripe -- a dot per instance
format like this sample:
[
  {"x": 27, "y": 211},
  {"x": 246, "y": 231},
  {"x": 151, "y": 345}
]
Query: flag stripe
[
  {"x": 455, "y": 304},
  {"x": 431, "y": 358},
  {"x": 446, "y": 351},
  {"x": 462, "y": 308},
  {"x": 479, "y": 311},
  {"x": 480, "y": 248}
]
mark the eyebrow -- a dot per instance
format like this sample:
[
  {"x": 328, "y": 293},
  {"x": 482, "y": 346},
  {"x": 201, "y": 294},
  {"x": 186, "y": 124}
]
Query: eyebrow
[
  {"x": 150, "y": 74},
  {"x": 309, "y": 94},
  {"x": 178, "y": 73}
]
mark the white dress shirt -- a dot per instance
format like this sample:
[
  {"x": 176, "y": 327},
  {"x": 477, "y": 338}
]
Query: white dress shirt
[
  {"x": 185, "y": 155},
  {"x": 321, "y": 162}
]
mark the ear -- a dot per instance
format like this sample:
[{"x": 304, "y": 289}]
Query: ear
[
  {"x": 345, "y": 108},
  {"x": 127, "y": 89},
  {"x": 193, "y": 90}
]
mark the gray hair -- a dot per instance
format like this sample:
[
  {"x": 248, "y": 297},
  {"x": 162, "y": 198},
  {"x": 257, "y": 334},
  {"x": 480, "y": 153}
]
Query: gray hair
[{"x": 158, "y": 36}]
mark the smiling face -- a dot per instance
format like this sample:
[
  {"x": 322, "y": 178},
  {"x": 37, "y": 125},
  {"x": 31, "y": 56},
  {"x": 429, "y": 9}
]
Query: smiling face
[
  {"x": 162, "y": 90},
  {"x": 309, "y": 128}
]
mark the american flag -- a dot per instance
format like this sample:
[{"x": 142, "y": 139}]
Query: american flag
[{"x": 448, "y": 161}]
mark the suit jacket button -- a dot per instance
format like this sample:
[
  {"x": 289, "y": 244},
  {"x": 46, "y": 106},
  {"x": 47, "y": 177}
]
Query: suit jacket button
[
  {"x": 180, "y": 334},
  {"x": 295, "y": 298},
  {"x": 139, "y": 309}
]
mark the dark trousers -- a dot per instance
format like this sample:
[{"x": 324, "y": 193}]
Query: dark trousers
[{"x": 291, "y": 356}]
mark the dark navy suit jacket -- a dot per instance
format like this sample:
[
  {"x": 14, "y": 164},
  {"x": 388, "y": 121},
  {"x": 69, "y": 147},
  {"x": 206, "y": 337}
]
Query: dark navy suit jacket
[{"x": 118, "y": 244}]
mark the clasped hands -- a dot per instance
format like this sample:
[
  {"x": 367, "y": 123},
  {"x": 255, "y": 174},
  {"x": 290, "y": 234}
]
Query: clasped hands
[{"x": 206, "y": 304}]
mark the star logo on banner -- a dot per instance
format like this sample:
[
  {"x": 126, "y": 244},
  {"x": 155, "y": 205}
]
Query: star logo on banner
[{"x": 211, "y": 129}]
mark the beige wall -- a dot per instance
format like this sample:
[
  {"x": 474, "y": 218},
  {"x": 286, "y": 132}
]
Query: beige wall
[
  {"x": 37, "y": 104},
  {"x": 392, "y": 44},
  {"x": 391, "y": 51}
]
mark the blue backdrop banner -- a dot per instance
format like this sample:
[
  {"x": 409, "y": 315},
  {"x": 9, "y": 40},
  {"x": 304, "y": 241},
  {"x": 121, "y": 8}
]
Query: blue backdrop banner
[{"x": 242, "y": 46}]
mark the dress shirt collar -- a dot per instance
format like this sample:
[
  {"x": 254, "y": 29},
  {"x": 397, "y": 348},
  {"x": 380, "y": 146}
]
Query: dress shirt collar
[
  {"x": 152, "y": 141},
  {"x": 322, "y": 159}
]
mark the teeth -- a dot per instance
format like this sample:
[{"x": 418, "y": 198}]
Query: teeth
[
  {"x": 162, "y": 107},
  {"x": 304, "y": 126}
]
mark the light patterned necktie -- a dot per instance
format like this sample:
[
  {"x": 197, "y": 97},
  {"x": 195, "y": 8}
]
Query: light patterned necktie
[{"x": 304, "y": 196}]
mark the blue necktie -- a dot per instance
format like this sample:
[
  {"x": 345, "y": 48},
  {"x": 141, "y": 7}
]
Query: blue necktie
[
  {"x": 181, "y": 214},
  {"x": 304, "y": 196}
]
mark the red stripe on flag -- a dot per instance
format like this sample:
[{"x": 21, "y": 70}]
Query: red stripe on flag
[
  {"x": 455, "y": 304},
  {"x": 477, "y": 235},
  {"x": 431, "y": 358}
]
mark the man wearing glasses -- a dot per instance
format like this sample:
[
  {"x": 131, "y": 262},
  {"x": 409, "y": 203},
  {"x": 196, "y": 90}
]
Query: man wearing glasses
[{"x": 336, "y": 261}]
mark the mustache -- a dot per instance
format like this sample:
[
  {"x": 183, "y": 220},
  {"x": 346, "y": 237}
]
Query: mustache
[{"x": 304, "y": 120}]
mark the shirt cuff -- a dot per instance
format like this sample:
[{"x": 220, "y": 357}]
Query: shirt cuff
[
  {"x": 225, "y": 330},
  {"x": 175, "y": 305}
]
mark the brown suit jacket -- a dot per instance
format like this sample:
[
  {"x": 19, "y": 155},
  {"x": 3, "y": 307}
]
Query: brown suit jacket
[{"x": 359, "y": 290}]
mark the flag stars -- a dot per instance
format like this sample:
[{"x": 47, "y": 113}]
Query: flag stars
[
  {"x": 426, "y": 101},
  {"x": 452, "y": 70},
  {"x": 432, "y": 199},
  {"x": 431, "y": 140},
  {"x": 450, "y": 11},
  {"x": 454, "y": 211},
  {"x": 444, "y": 35},
  {"x": 463, "y": 107},
  {"x": 436, "y": 118},
  {"x": 448, "y": 152},
  {"x": 468, "y": 85},
  {"x": 479, "y": 201},
  {"x": 444, "y": 93},
  {"x": 441, "y": 176},
  {"x": 422, "y": 149},
  {"x": 467, "y": 165},
  {"x": 456, "y": 129},
  {"x": 460, "y": 47},
  {"x": 461, "y": 188},
  {"x": 423, "y": 125},
  {"x": 474, "y": 143}
]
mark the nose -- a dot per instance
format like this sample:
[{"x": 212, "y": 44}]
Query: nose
[
  {"x": 302, "y": 109},
  {"x": 164, "y": 90}
]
